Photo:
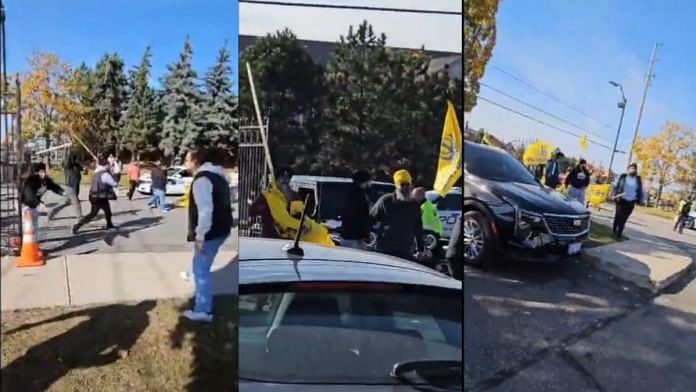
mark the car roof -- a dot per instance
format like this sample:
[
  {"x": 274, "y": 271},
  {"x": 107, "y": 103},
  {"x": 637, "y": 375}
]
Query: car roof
[
  {"x": 263, "y": 260},
  {"x": 303, "y": 178}
]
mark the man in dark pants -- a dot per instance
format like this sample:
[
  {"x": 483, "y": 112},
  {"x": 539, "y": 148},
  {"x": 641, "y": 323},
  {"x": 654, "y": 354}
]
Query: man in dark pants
[
  {"x": 627, "y": 192},
  {"x": 455, "y": 250},
  {"x": 355, "y": 221},
  {"x": 33, "y": 189},
  {"x": 100, "y": 192},
  {"x": 399, "y": 218},
  {"x": 73, "y": 177},
  {"x": 683, "y": 214}
]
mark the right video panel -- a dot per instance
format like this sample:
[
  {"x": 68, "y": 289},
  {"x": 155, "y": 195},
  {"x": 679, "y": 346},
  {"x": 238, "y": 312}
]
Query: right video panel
[
  {"x": 350, "y": 162},
  {"x": 579, "y": 225}
]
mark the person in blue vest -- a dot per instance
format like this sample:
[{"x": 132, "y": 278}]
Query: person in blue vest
[
  {"x": 209, "y": 223},
  {"x": 626, "y": 193},
  {"x": 553, "y": 170}
]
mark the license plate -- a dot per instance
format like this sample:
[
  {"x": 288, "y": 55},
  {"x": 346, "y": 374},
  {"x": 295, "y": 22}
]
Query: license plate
[{"x": 574, "y": 248}]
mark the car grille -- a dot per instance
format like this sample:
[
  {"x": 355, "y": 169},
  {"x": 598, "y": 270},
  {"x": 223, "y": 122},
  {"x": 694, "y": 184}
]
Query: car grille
[{"x": 567, "y": 225}]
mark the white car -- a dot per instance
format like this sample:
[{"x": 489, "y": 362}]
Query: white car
[
  {"x": 177, "y": 179},
  {"x": 449, "y": 208},
  {"x": 691, "y": 221}
]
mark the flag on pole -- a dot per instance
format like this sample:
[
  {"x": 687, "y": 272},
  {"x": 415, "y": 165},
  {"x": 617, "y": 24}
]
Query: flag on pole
[
  {"x": 583, "y": 142},
  {"x": 449, "y": 166},
  {"x": 485, "y": 139}
]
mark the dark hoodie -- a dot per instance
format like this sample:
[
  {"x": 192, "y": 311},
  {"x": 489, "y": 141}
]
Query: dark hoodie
[
  {"x": 34, "y": 188},
  {"x": 355, "y": 221},
  {"x": 578, "y": 178}
]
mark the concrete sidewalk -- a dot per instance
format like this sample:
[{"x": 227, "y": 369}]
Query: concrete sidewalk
[
  {"x": 653, "y": 257},
  {"x": 75, "y": 280}
]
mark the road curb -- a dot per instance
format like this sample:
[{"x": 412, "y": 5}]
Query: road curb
[{"x": 638, "y": 279}]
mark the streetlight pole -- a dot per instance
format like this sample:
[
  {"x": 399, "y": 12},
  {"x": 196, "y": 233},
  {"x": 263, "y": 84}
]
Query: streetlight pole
[{"x": 622, "y": 106}]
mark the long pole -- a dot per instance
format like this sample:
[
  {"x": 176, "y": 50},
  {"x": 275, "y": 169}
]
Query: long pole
[
  {"x": 616, "y": 141},
  {"x": 648, "y": 77},
  {"x": 260, "y": 121}
]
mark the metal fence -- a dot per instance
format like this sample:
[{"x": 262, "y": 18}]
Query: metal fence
[
  {"x": 11, "y": 171},
  {"x": 252, "y": 175}
]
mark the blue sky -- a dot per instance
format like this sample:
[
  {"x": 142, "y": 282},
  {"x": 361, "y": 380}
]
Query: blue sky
[
  {"x": 83, "y": 30},
  {"x": 572, "y": 49}
]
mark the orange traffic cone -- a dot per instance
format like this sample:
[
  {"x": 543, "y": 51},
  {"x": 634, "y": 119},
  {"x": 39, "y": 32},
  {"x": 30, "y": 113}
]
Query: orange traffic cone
[{"x": 31, "y": 256}]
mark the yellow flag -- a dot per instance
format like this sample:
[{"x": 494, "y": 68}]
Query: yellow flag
[
  {"x": 449, "y": 165},
  {"x": 485, "y": 139},
  {"x": 583, "y": 142}
]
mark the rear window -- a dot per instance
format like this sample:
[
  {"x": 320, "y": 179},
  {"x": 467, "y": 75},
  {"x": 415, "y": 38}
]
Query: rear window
[{"x": 344, "y": 336}]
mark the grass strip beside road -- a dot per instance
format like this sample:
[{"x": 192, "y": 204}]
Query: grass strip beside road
[
  {"x": 142, "y": 346},
  {"x": 657, "y": 212},
  {"x": 599, "y": 235}
]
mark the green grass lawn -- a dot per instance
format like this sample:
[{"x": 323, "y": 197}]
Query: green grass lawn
[
  {"x": 657, "y": 212},
  {"x": 599, "y": 235},
  {"x": 143, "y": 346}
]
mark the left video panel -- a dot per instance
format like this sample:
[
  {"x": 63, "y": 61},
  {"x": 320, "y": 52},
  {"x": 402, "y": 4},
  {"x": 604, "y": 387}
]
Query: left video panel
[{"x": 119, "y": 241}]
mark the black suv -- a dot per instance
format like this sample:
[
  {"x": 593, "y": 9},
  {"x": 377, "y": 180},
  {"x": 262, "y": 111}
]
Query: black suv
[{"x": 507, "y": 211}]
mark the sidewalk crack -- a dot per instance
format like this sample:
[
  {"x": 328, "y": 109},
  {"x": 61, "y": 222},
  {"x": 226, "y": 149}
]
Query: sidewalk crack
[{"x": 67, "y": 279}]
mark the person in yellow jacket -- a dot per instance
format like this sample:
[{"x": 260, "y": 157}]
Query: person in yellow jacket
[{"x": 429, "y": 215}]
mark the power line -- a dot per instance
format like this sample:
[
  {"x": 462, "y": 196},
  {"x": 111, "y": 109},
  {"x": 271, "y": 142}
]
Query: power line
[
  {"x": 547, "y": 94},
  {"x": 540, "y": 121},
  {"x": 351, "y": 7},
  {"x": 541, "y": 110}
]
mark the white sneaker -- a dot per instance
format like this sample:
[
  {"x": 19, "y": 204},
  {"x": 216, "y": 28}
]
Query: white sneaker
[
  {"x": 198, "y": 316},
  {"x": 186, "y": 275}
]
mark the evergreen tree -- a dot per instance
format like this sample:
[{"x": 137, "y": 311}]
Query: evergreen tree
[
  {"x": 183, "y": 123},
  {"x": 358, "y": 81},
  {"x": 141, "y": 126},
  {"x": 220, "y": 105},
  {"x": 289, "y": 88},
  {"x": 110, "y": 97}
]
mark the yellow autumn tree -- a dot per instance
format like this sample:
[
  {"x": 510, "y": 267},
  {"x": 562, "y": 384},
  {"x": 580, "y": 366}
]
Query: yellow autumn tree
[
  {"x": 479, "y": 40},
  {"x": 666, "y": 158},
  {"x": 42, "y": 93}
]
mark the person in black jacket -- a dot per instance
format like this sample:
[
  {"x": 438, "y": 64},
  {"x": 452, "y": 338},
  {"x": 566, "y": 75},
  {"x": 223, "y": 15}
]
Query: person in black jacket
[
  {"x": 34, "y": 187},
  {"x": 73, "y": 176},
  {"x": 577, "y": 181},
  {"x": 355, "y": 221},
  {"x": 399, "y": 218},
  {"x": 455, "y": 250},
  {"x": 209, "y": 225}
]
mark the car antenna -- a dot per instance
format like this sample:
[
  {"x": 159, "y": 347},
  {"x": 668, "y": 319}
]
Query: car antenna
[{"x": 295, "y": 250}]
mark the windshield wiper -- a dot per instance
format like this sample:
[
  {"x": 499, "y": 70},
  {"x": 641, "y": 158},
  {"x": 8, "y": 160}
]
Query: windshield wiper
[{"x": 430, "y": 374}]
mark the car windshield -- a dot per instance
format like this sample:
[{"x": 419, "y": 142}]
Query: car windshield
[
  {"x": 341, "y": 335},
  {"x": 496, "y": 165}
]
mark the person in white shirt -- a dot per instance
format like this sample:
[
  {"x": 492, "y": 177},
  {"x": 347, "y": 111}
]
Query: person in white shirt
[{"x": 100, "y": 192}]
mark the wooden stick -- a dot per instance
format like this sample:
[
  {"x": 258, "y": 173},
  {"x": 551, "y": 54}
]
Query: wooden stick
[{"x": 261, "y": 127}]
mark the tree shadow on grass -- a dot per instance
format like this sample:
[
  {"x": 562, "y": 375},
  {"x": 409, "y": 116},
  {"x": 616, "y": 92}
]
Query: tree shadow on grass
[
  {"x": 98, "y": 341},
  {"x": 215, "y": 354}
]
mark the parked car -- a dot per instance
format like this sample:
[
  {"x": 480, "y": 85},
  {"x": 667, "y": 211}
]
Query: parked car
[
  {"x": 337, "y": 319},
  {"x": 177, "y": 179},
  {"x": 507, "y": 211},
  {"x": 328, "y": 196},
  {"x": 691, "y": 221},
  {"x": 449, "y": 208}
]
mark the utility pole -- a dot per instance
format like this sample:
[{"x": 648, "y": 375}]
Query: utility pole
[{"x": 648, "y": 78}]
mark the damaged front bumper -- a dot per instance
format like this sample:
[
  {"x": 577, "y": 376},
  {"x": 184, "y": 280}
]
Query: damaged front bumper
[{"x": 544, "y": 247}]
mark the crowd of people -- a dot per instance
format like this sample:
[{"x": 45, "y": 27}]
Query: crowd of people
[
  {"x": 399, "y": 219},
  {"x": 210, "y": 218}
]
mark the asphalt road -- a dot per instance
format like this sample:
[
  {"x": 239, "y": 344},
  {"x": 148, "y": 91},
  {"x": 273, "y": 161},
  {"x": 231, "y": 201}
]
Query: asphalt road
[
  {"x": 140, "y": 229},
  {"x": 569, "y": 327}
]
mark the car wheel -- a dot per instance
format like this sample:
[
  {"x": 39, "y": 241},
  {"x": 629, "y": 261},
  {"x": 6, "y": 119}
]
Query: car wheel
[{"x": 478, "y": 241}]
